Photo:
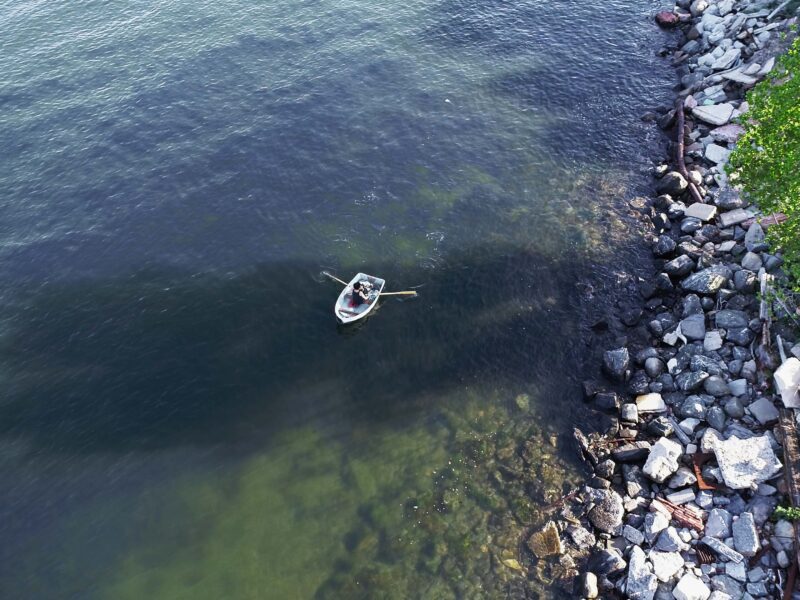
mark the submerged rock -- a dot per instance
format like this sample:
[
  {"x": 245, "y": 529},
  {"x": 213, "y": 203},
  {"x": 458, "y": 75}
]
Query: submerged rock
[{"x": 546, "y": 542}]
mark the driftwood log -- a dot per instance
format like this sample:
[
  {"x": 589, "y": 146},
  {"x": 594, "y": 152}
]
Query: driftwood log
[{"x": 681, "y": 145}]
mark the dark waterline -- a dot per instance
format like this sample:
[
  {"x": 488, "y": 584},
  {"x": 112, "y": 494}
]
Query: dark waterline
[{"x": 181, "y": 417}]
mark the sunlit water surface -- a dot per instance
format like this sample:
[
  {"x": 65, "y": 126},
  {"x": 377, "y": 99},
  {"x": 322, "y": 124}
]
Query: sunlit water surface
[{"x": 180, "y": 417}]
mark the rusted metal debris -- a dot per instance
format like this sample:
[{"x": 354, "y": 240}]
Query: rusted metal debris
[
  {"x": 704, "y": 555},
  {"x": 681, "y": 514},
  {"x": 698, "y": 460}
]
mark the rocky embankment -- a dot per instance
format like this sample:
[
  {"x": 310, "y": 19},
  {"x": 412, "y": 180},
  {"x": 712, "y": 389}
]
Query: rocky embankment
[{"x": 689, "y": 474}]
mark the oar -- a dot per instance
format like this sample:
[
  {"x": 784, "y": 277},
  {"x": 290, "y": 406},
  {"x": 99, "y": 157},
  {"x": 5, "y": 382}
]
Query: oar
[
  {"x": 411, "y": 293},
  {"x": 334, "y": 278}
]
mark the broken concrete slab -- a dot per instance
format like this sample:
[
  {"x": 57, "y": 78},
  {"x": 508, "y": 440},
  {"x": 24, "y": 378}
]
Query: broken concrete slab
[
  {"x": 715, "y": 114},
  {"x": 744, "y": 463}
]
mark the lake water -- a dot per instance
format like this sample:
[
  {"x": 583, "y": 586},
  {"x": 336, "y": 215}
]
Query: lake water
[{"x": 180, "y": 416}]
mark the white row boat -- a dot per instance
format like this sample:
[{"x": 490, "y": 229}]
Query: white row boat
[{"x": 345, "y": 309}]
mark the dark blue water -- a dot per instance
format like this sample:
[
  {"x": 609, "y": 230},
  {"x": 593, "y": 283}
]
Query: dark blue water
[{"x": 180, "y": 416}]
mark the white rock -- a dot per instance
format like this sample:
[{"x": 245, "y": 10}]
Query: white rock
[
  {"x": 745, "y": 535},
  {"x": 716, "y": 114},
  {"x": 663, "y": 460},
  {"x": 787, "y": 381},
  {"x": 691, "y": 588},
  {"x": 744, "y": 463},
  {"x": 717, "y": 154},
  {"x": 736, "y": 570},
  {"x": 665, "y": 564},
  {"x": 641, "y": 583},
  {"x": 704, "y": 212},
  {"x": 739, "y": 77},
  {"x": 650, "y": 403},
  {"x": 681, "y": 497}
]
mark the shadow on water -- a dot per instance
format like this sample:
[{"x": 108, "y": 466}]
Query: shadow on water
[{"x": 159, "y": 358}]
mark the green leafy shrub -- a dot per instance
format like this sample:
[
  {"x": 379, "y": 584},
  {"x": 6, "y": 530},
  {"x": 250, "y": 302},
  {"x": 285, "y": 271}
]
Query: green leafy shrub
[
  {"x": 790, "y": 513},
  {"x": 766, "y": 161}
]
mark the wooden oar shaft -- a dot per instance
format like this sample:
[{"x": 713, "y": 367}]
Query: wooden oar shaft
[
  {"x": 412, "y": 293},
  {"x": 334, "y": 278}
]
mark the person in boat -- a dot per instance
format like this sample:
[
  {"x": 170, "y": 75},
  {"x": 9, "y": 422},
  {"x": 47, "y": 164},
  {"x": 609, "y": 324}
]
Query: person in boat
[{"x": 359, "y": 294}]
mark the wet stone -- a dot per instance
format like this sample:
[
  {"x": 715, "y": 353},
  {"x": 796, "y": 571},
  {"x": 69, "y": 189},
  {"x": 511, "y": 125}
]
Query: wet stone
[
  {"x": 546, "y": 542},
  {"x": 673, "y": 183},
  {"x": 607, "y": 401}
]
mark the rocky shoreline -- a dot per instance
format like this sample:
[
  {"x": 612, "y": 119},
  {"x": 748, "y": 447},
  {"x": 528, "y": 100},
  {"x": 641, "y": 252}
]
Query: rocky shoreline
[{"x": 687, "y": 470}]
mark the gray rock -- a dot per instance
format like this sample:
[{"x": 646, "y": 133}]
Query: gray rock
[
  {"x": 745, "y": 281},
  {"x": 751, "y": 261},
  {"x": 741, "y": 336},
  {"x": 745, "y": 536},
  {"x": 704, "y": 212},
  {"x": 734, "y": 409},
  {"x": 673, "y": 183},
  {"x": 728, "y": 585},
  {"x": 718, "y": 114},
  {"x": 616, "y": 363},
  {"x": 605, "y": 469},
  {"x": 606, "y": 563},
  {"x": 718, "y": 524},
  {"x": 607, "y": 401},
  {"x": 705, "y": 363},
  {"x": 654, "y": 367},
  {"x": 694, "y": 327},
  {"x": 691, "y": 305},
  {"x": 734, "y": 217},
  {"x": 731, "y": 318},
  {"x": 679, "y": 266},
  {"x": 764, "y": 411},
  {"x": 727, "y": 60},
  {"x": 730, "y": 199},
  {"x": 689, "y": 382},
  {"x": 722, "y": 549},
  {"x": 738, "y": 387},
  {"x": 716, "y": 386},
  {"x": 629, "y": 413},
  {"x": 669, "y": 541},
  {"x": 606, "y": 515},
  {"x": 664, "y": 246},
  {"x": 754, "y": 237},
  {"x": 708, "y": 281},
  {"x": 716, "y": 418},
  {"x": 633, "y": 535},
  {"x": 641, "y": 583},
  {"x": 654, "y": 524},
  {"x": 682, "y": 478}
]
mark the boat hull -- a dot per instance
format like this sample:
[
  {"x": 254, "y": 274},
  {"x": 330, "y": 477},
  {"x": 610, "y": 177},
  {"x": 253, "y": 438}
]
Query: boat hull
[{"x": 345, "y": 312}]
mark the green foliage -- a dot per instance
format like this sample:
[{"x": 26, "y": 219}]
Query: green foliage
[
  {"x": 766, "y": 161},
  {"x": 790, "y": 513}
]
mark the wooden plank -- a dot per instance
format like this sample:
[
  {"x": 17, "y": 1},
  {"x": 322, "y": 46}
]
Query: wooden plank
[{"x": 791, "y": 466}]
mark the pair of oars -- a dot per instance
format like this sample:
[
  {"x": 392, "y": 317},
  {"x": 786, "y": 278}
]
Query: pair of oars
[{"x": 344, "y": 283}]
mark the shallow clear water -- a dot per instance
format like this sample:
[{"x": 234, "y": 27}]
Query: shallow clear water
[{"x": 180, "y": 416}]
